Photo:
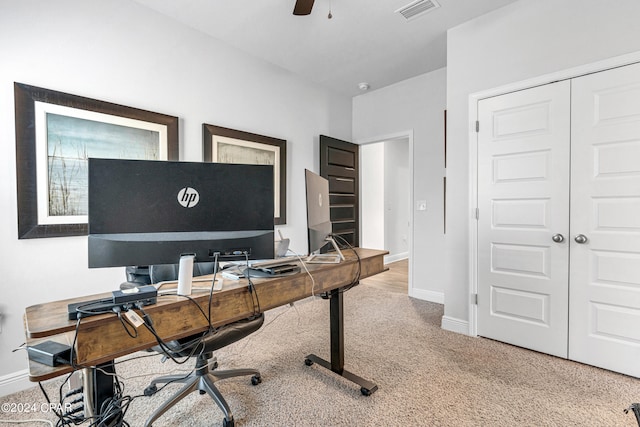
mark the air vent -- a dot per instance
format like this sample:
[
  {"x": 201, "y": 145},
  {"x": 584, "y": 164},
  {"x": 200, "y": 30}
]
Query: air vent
[{"x": 417, "y": 8}]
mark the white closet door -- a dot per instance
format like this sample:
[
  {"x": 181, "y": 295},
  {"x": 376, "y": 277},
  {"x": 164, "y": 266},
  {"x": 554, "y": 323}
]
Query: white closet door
[
  {"x": 523, "y": 188},
  {"x": 605, "y": 208}
]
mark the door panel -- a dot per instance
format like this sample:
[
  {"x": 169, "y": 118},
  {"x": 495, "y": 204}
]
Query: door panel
[
  {"x": 605, "y": 203},
  {"x": 523, "y": 187},
  {"x": 339, "y": 164}
]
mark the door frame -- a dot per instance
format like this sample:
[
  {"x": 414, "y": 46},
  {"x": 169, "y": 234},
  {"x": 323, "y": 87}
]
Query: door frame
[
  {"x": 595, "y": 67},
  {"x": 408, "y": 134}
]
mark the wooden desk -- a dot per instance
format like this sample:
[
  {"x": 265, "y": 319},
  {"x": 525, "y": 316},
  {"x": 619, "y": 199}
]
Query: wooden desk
[{"x": 101, "y": 338}]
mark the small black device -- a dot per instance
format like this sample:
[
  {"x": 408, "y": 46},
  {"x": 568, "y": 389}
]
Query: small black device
[
  {"x": 49, "y": 353},
  {"x": 144, "y": 294}
]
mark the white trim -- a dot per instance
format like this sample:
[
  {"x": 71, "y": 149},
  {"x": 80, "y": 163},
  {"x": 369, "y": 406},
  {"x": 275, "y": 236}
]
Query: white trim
[
  {"x": 14, "y": 382},
  {"x": 618, "y": 61},
  {"x": 571, "y": 73},
  {"x": 473, "y": 222},
  {"x": 455, "y": 325},
  {"x": 408, "y": 134},
  {"x": 396, "y": 257},
  {"x": 425, "y": 295}
]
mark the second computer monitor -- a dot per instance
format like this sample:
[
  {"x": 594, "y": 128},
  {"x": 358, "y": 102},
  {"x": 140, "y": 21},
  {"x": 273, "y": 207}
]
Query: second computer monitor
[
  {"x": 318, "y": 213},
  {"x": 319, "y": 218}
]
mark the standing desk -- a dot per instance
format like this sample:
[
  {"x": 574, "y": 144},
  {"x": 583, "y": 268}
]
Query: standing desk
[{"x": 101, "y": 339}]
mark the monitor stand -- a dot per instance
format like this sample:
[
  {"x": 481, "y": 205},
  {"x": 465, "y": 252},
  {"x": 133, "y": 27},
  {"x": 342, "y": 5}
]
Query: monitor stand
[
  {"x": 327, "y": 258},
  {"x": 185, "y": 280}
]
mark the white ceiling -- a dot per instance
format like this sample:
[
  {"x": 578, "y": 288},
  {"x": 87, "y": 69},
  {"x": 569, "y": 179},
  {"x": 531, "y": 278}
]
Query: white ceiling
[{"x": 365, "y": 41}]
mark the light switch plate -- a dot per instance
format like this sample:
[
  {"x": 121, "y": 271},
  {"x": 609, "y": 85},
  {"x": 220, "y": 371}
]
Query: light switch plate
[{"x": 421, "y": 205}]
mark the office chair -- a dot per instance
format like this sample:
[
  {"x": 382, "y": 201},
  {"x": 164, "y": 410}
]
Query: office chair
[{"x": 202, "y": 378}]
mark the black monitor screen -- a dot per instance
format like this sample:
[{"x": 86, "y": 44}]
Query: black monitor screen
[{"x": 151, "y": 212}]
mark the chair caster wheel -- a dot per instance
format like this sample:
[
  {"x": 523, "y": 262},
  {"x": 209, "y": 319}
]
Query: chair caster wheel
[
  {"x": 308, "y": 362},
  {"x": 256, "y": 379},
  {"x": 365, "y": 391},
  {"x": 151, "y": 390},
  {"x": 228, "y": 423}
]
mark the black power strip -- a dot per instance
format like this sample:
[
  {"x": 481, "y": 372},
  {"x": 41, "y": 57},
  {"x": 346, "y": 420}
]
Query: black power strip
[{"x": 146, "y": 295}]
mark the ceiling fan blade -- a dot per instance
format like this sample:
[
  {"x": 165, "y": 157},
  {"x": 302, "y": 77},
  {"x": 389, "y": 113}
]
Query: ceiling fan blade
[{"x": 303, "y": 7}]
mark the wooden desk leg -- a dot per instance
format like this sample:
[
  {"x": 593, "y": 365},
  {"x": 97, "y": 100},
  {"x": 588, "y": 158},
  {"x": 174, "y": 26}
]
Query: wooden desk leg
[{"x": 336, "y": 320}]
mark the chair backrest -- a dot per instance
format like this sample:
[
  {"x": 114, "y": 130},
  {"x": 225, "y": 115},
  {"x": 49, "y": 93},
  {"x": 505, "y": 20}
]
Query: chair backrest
[{"x": 165, "y": 272}]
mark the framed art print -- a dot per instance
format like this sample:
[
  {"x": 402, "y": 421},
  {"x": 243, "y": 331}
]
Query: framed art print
[
  {"x": 56, "y": 133},
  {"x": 223, "y": 145}
]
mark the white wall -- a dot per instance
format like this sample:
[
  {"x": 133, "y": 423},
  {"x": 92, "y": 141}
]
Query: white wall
[
  {"x": 372, "y": 217},
  {"x": 416, "y": 106},
  {"x": 121, "y": 52},
  {"x": 518, "y": 42},
  {"x": 396, "y": 197}
]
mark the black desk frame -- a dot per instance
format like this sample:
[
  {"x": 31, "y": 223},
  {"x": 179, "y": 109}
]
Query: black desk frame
[{"x": 336, "y": 321}]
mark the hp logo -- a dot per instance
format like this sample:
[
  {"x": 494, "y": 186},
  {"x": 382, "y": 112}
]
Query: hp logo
[{"x": 188, "y": 197}]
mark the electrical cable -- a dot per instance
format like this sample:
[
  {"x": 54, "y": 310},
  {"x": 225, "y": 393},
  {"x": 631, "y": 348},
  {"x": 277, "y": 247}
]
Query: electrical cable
[
  {"x": 304, "y": 265},
  {"x": 252, "y": 288},
  {"x": 166, "y": 350},
  {"x": 86, "y": 308},
  {"x": 124, "y": 321},
  {"x": 356, "y": 279},
  {"x": 114, "y": 409},
  {"x": 213, "y": 282}
]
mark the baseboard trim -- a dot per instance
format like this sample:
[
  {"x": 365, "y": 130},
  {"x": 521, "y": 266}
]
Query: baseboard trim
[
  {"x": 15, "y": 382},
  {"x": 425, "y": 295},
  {"x": 455, "y": 325},
  {"x": 395, "y": 257}
]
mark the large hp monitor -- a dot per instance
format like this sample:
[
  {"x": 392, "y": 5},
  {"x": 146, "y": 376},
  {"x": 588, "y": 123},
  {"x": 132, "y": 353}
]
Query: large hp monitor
[
  {"x": 155, "y": 212},
  {"x": 319, "y": 220}
]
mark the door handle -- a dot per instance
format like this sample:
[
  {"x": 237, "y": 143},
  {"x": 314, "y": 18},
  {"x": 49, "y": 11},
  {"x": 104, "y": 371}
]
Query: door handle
[
  {"x": 581, "y": 238},
  {"x": 558, "y": 238}
]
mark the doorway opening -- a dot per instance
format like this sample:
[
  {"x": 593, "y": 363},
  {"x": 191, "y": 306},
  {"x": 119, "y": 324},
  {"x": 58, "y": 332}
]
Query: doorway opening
[{"x": 386, "y": 192}]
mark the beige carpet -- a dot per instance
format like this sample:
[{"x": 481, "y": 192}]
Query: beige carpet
[{"x": 426, "y": 376}]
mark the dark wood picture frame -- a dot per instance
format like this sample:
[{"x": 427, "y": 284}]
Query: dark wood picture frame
[
  {"x": 444, "y": 179},
  {"x": 27, "y": 154},
  {"x": 257, "y": 142}
]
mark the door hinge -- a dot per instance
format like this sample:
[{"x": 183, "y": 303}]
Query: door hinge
[
  {"x": 474, "y": 299},
  {"x": 477, "y": 213},
  {"x": 477, "y": 126}
]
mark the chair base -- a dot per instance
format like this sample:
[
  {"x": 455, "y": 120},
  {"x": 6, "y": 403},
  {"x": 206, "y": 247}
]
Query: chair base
[{"x": 203, "y": 381}]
